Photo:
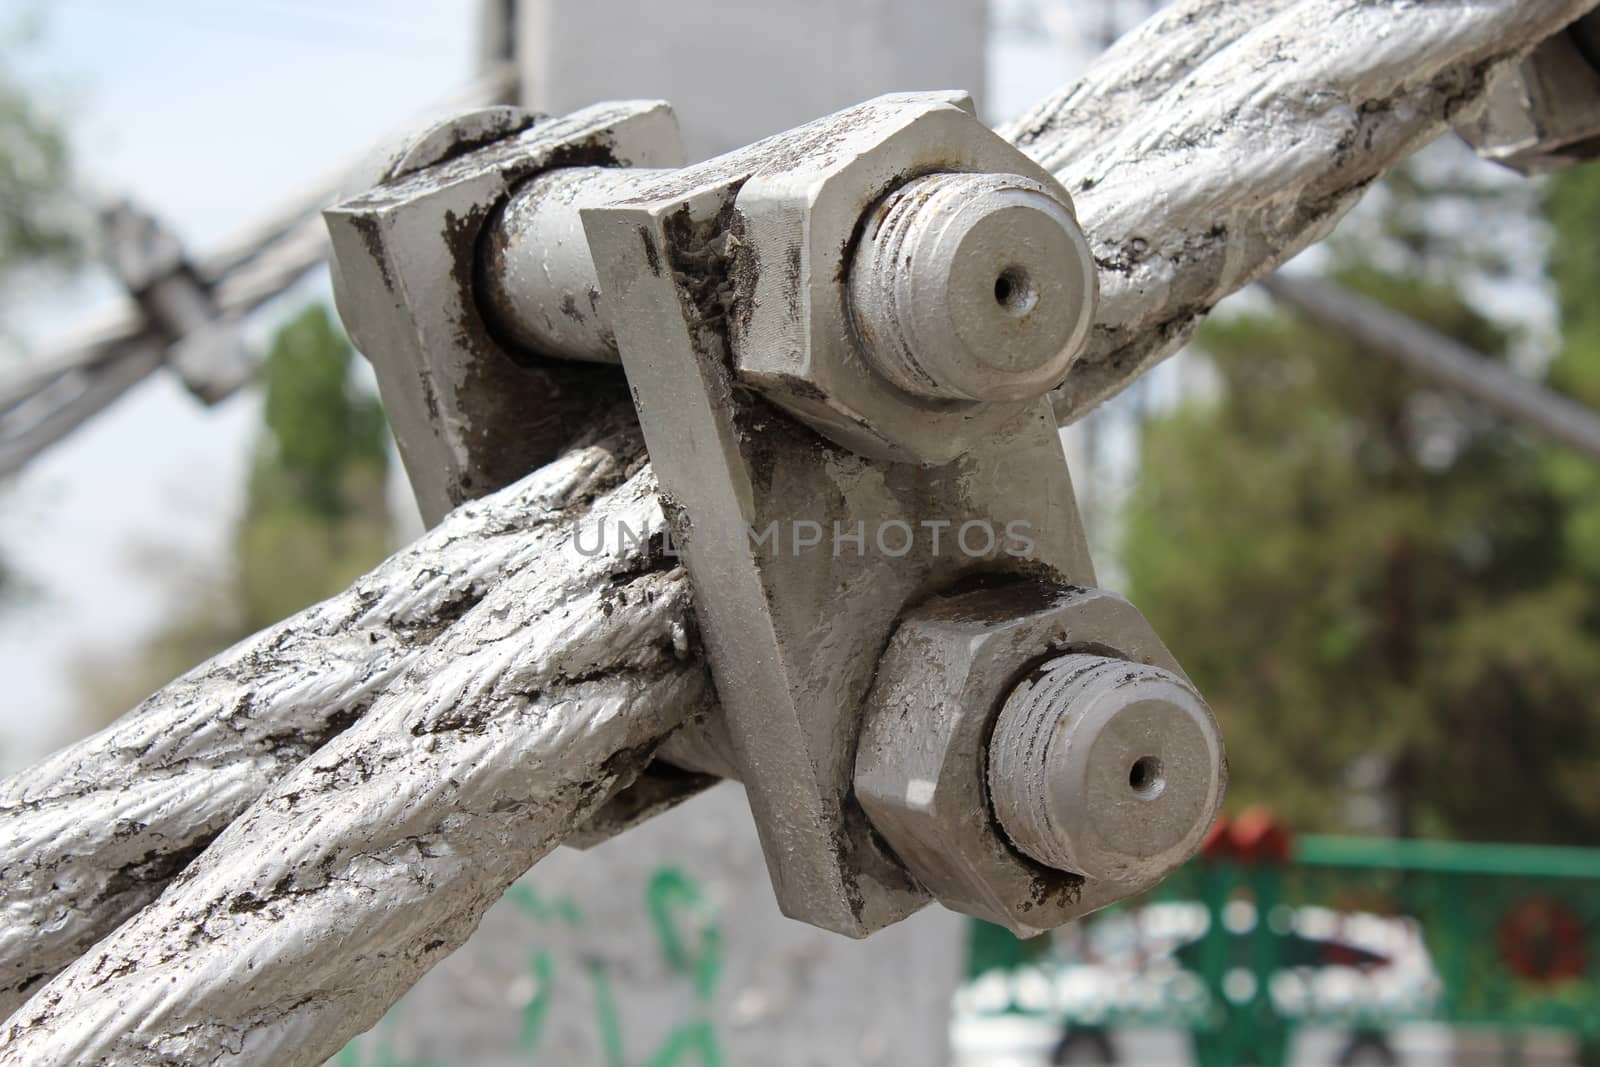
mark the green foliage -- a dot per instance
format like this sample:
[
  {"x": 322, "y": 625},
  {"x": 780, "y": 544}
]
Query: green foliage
[
  {"x": 316, "y": 518},
  {"x": 1351, "y": 563},
  {"x": 1573, "y": 207},
  {"x": 36, "y": 197},
  {"x": 318, "y": 425},
  {"x": 36, "y": 200}
]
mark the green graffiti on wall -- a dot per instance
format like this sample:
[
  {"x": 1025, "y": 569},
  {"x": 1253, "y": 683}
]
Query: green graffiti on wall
[{"x": 688, "y": 938}]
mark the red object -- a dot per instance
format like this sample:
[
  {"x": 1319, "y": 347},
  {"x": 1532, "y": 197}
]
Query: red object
[
  {"x": 1219, "y": 842},
  {"x": 1259, "y": 837},
  {"x": 1253, "y": 836},
  {"x": 1541, "y": 941}
]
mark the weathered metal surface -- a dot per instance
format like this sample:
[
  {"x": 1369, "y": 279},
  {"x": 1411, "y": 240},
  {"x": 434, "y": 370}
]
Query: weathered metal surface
[
  {"x": 962, "y": 286},
  {"x": 467, "y": 417},
  {"x": 1201, "y": 153},
  {"x": 455, "y": 136},
  {"x": 972, "y": 287},
  {"x": 802, "y": 217},
  {"x": 351, "y": 876},
  {"x": 537, "y": 281},
  {"x": 1108, "y": 769},
  {"x": 793, "y": 629},
  {"x": 973, "y": 234},
  {"x": 443, "y": 227},
  {"x": 95, "y": 832},
  {"x": 1544, "y": 113},
  {"x": 922, "y": 767},
  {"x": 1216, "y": 141}
]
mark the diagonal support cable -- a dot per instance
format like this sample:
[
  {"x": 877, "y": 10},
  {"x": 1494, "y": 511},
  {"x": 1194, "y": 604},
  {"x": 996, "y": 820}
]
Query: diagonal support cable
[
  {"x": 1215, "y": 142},
  {"x": 342, "y": 884},
  {"x": 80, "y": 375},
  {"x": 1441, "y": 359},
  {"x": 1234, "y": 140}
]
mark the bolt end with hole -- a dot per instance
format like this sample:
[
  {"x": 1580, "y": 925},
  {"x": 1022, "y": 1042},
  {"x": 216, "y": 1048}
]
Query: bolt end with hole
[
  {"x": 1104, "y": 768},
  {"x": 972, "y": 287}
]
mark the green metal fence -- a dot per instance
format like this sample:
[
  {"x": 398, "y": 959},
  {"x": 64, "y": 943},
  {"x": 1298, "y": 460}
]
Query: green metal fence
[{"x": 1364, "y": 934}]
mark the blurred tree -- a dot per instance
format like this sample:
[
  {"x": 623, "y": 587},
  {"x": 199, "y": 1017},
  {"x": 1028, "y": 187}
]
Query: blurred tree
[
  {"x": 1572, "y": 207},
  {"x": 314, "y": 519},
  {"x": 315, "y": 516},
  {"x": 38, "y": 223},
  {"x": 1354, "y": 565}
]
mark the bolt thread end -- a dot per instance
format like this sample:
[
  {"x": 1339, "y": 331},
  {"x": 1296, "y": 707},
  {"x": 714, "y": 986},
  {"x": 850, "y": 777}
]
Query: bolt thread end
[
  {"x": 1105, "y": 768},
  {"x": 972, "y": 287}
]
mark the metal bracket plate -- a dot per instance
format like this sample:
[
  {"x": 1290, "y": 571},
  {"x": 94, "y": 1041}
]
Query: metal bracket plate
[
  {"x": 469, "y": 417},
  {"x": 794, "y": 633}
]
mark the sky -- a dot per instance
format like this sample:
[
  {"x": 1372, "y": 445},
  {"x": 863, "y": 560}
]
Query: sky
[{"x": 208, "y": 115}]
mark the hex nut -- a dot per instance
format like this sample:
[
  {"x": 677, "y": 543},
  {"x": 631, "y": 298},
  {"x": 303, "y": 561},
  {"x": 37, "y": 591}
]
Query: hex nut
[
  {"x": 793, "y": 337},
  {"x": 922, "y": 760}
]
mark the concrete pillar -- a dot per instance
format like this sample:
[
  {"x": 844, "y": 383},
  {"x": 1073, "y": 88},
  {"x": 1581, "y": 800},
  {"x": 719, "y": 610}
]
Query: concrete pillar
[{"x": 737, "y": 70}]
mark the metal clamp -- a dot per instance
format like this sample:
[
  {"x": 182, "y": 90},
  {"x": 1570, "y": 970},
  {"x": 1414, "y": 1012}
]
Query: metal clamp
[
  {"x": 470, "y": 414},
  {"x": 205, "y": 347},
  {"x": 838, "y": 340}
]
